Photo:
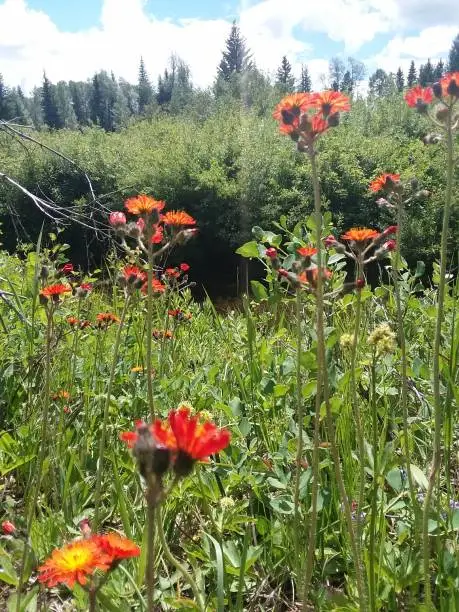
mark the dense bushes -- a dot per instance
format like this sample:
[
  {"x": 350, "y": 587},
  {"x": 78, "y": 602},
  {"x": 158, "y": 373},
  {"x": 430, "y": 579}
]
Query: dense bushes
[{"x": 231, "y": 170}]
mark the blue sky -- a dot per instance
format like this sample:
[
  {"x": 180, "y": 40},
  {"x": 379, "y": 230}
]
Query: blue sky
[{"x": 71, "y": 39}]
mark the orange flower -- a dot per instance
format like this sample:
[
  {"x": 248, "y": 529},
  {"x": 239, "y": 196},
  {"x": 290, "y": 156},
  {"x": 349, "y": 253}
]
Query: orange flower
[
  {"x": 156, "y": 285},
  {"x": 55, "y": 291},
  {"x": 61, "y": 394},
  {"x": 384, "y": 181},
  {"x": 72, "y": 321},
  {"x": 450, "y": 84},
  {"x": 72, "y": 563},
  {"x": 133, "y": 273},
  {"x": 172, "y": 272},
  {"x": 307, "y": 251},
  {"x": 310, "y": 276},
  {"x": 417, "y": 97},
  {"x": 330, "y": 102},
  {"x": 143, "y": 205},
  {"x": 104, "y": 319},
  {"x": 289, "y": 110},
  {"x": 360, "y": 234},
  {"x": 158, "y": 334},
  {"x": 116, "y": 546},
  {"x": 178, "y": 217},
  {"x": 157, "y": 237},
  {"x": 191, "y": 439}
]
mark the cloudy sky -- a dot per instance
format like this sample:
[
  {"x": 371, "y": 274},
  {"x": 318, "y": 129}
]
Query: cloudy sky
[{"x": 71, "y": 39}]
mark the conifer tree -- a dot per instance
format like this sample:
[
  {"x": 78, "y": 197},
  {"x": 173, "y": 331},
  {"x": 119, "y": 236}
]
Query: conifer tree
[
  {"x": 399, "y": 80},
  {"x": 426, "y": 74},
  {"x": 4, "y": 110},
  {"x": 284, "y": 77},
  {"x": 412, "y": 75},
  {"x": 453, "y": 57},
  {"x": 347, "y": 84},
  {"x": 48, "y": 102},
  {"x": 144, "y": 88},
  {"x": 439, "y": 70},
  {"x": 305, "y": 83},
  {"x": 236, "y": 57}
]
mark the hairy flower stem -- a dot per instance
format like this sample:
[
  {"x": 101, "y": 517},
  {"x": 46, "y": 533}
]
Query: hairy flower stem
[
  {"x": 32, "y": 502},
  {"x": 322, "y": 375},
  {"x": 356, "y": 403},
  {"x": 151, "y": 495},
  {"x": 103, "y": 433},
  {"x": 176, "y": 563},
  {"x": 404, "y": 375},
  {"x": 148, "y": 349},
  {"x": 374, "y": 498},
  {"x": 321, "y": 368},
  {"x": 438, "y": 409},
  {"x": 299, "y": 418}
]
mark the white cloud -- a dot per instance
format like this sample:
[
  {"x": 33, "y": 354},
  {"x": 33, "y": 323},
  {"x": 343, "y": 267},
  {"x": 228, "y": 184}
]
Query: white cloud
[
  {"x": 433, "y": 42},
  {"x": 30, "y": 42}
]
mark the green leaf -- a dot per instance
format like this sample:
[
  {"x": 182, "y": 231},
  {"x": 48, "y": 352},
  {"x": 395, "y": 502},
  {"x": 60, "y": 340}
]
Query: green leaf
[
  {"x": 259, "y": 291},
  {"x": 420, "y": 269},
  {"x": 419, "y": 476},
  {"x": 249, "y": 249}
]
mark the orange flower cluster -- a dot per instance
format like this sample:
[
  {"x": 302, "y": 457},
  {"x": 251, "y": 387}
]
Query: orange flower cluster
[
  {"x": 446, "y": 90},
  {"x": 77, "y": 560},
  {"x": 385, "y": 182},
  {"x": 296, "y": 120},
  {"x": 360, "y": 234},
  {"x": 143, "y": 205},
  {"x": 105, "y": 319},
  {"x": 54, "y": 292},
  {"x": 158, "y": 334},
  {"x": 186, "y": 438}
]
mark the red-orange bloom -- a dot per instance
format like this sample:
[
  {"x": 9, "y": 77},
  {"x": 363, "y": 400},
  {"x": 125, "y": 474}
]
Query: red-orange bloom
[
  {"x": 419, "y": 96},
  {"x": 307, "y": 251},
  {"x": 104, "y": 319},
  {"x": 132, "y": 273},
  {"x": 172, "y": 272},
  {"x": 116, "y": 546},
  {"x": 450, "y": 84},
  {"x": 310, "y": 276},
  {"x": 178, "y": 217},
  {"x": 189, "y": 436},
  {"x": 156, "y": 285},
  {"x": 384, "y": 181},
  {"x": 72, "y": 563},
  {"x": 330, "y": 102},
  {"x": 61, "y": 394},
  {"x": 158, "y": 334},
  {"x": 360, "y": 234},
  {"x": 55, "y": 291},
  {"x": 143, "y": 205},
  {"x": 158, "y": 234},
  {"x": 72, "y": 321},
  {"x": 289, "y": 110}
]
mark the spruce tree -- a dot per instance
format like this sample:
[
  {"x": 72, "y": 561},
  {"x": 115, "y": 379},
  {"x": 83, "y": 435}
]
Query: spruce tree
[
  {"x": 144, "y": 88},
  {"x": 4, "y": 110},
  {"x": 285, "y": 80},
  {"x": 305, "y": 83},
  {"x": 453, "y": 57},
  {"x": 399, "y": 80},
  {"x": 347, "y": 84},
  {"x": 439, "y": 70},
  {"x": 48, "y": 103},
  {"x": 412, "y": 75},
  {"x": 426, "y": 74},
  {"x": 236, "y": 58}
]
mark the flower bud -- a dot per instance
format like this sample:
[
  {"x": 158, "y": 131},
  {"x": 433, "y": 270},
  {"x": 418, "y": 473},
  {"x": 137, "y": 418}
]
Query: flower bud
[
  {"x": 44, "y": 272},
  {"x": 453, "y": 88},
  {"x": 360, "y": 283},
  {"x": 8, "y": 528},
  {"x": 442, "y": 114},
  {"x": 133, "y": 230},
  {"x": 437, "y": 90},
  {"x": 330, "y": 241},
  {"x": 117, "y": 219},
  {"x": 333, "y": 120},
  {"x": 271, "y": 253}
]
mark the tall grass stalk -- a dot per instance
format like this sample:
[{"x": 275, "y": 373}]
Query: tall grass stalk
[
  {"x": 438, "y": 408},
  {"x": 103, "y": 432}
]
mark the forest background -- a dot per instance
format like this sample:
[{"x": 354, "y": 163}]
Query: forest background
[{"x": 215, "y": 152}]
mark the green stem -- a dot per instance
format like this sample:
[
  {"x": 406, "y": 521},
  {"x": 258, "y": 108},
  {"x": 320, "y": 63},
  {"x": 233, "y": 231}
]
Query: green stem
[
  {"x": 404, "y": 375},
  {"x": 176, "y": 563},
  {"x": 356, "y": 403},
  {"x": 149, "y": 332},
  {"x": 103, "y": 434},
  {"x": 374, "y": 499},
  {"x": 43, "y": 449},
  {"x": 299, "y": 418},
  {"x": 321, "y": 373},
  {"x": 151, "y": 550},
  {"x": 438, "y": 418}
]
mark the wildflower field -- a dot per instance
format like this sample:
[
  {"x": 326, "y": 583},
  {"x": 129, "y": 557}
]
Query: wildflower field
[{"x": 298, "y": 453}]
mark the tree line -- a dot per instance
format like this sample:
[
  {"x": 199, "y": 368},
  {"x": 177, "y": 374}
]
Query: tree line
[{"x": 113, "y": 103}]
